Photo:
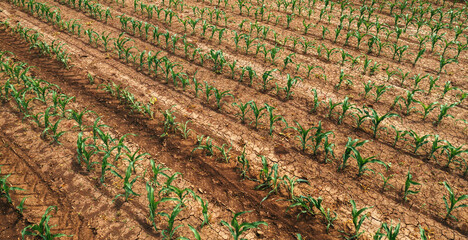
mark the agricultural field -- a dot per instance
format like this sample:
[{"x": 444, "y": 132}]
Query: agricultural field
[{"x": 233, "y": 119}]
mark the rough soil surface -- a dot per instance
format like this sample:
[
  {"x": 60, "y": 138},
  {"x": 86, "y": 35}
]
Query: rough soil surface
[{"x": 51, "y": 176}]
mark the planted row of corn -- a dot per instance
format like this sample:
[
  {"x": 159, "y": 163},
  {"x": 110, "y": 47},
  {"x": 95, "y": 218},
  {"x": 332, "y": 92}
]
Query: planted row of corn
[
  {"x": 32, "y": 37},
  {"x": 100, "y": 144}
]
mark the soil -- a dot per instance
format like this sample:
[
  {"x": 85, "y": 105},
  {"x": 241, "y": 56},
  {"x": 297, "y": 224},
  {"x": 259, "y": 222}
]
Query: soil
[{"x": 51, "y": 176}]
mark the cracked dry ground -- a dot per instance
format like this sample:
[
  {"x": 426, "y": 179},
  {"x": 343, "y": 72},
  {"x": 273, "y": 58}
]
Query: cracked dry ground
[{"x": 51, "y": 176}]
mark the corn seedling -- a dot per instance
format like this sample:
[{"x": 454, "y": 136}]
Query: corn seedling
[
  {"x": 306, "y": 205},
  {"x": 385, "y": 181},
  {"x": 427, "y": 109},
  {"x": 453, "y": 153},
  {"x": 368, "y": 86},
  {"x": 350, "y": 147},
  {"x": 362, "y": 162},
  {"x": 292, "y": 81},
  {"x": 391, "y": 232},
  {"x": 78, "y": 117},
  {"x": 448, "y": 87},
  {"x": 157, "y": 170},
  {"x": 5, "y": 187},
  {"x": 343, "y": 78},
  {"x": 266, "y": 78},
  {"x": 225, "y": 152},
  {"x": 106, "y": 166},
  {"x": 128, "y": 185},
  {"x": 408, "y": 183},
  {"x": 184, "y": 130},
  {"x": 451, "y": 204},
  {"x": 219, "y": 95},
  {"x": 331, "y": 107},
  {"x": 243, "y": 108},
  {"x": 208, "y": 147},
  {"x": 269, "y": 178},
  {"x": 42, "y": 229},
  {"x": 418, "y": 141},
  {"x": 303, "y": 136},
  {"x": 133, "y": 158},
  {"x": 376, "y": 120},
  {"x": 345, "y": 107},
  {"x": 21, "y": 207},
  {"x": 290, "y": 184},
  {"x": 358, "y": 218},
  {"x": 85, "y": 151},
  {"x": 245, "y": 165},
  {"x": 445, "y": 61},
  {"x": 380, "y": 90},
  {"x": 273, "y": 118},
  {"x": 237, "y": 230},
  {"x": 52, "y": 130},
  {"x": 288, "y": 59},
  {"x": 169, "y": 123},
  {"x": 258, "y": 112},
  {"x": 152, "y": 204},
  {"x": 170, "y": 230},
  {"x": 444, "y": 112},
  {"x": 316, "y": 102}
]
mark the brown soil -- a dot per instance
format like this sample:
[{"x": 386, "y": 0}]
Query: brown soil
[{"x": 52, "y": 177}]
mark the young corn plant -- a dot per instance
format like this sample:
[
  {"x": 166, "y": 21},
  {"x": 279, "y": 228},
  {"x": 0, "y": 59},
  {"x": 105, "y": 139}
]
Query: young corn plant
[
  {"x": 5, "y": 187},
  {"x": 358, "y": 218},
  {"x": 408, "y": 183},
  {"x": 170, "y": 230},
  {"x": 380, "y": 90},
  {"x": 258, "y": 112},
  {"x": 391, "y": 232},
  {"x": 85, "y": 151},
  {"x": 169, "y": 123},
  {"x": 453, "y": 153},
  {"x": 350, "y": 148},
  {"x": 452, "y": 202},
  {"x": 269, "y": 178},
  {"x": 303, "y": 136},
  {"x": 224, "y": 151},
  {"x": 128, "y": 185},
  {"x": 184, "y": 130},
  {"x": 445, "y": 61},
  {"x": 132, "y": 158},
  {"x": 362, "y": 162},
  {"x": 376, "y": 120},
  {"x": 245, "y": 165},
  {"x": 273, "y": 118},
  {"x": 419, "y": 141},
  {"x": 343, "y": 78},
  {"x": 208, "y": 147},
  {"x": 42, "y": 229},
  {"x": 346, "y": 105},
  {"x": 427, "y": 108},
  {"x": 106, "y": 166},
  {"x": 306, "y": 205},
  {"x": 316, "y": 102},
  {"x": 78, "y": 117},
  {"x": 153, "y": 204},
  {"x": 52, "y": 131},
  {"x": 331, "y": 107},
  {"x": 237, "y": 230},
  {"x": 219, "y": 95},
  {"x": 444, "y": 112},
  {"x": 266, "y": 78},
  {"x": 292, "y": 81}
]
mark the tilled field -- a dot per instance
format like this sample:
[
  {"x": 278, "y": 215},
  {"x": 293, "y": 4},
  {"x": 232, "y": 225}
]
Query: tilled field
[{"x": 301, "y": 119}]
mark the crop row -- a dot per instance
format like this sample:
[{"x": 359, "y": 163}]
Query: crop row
[{"x": 249, "y": 105}]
